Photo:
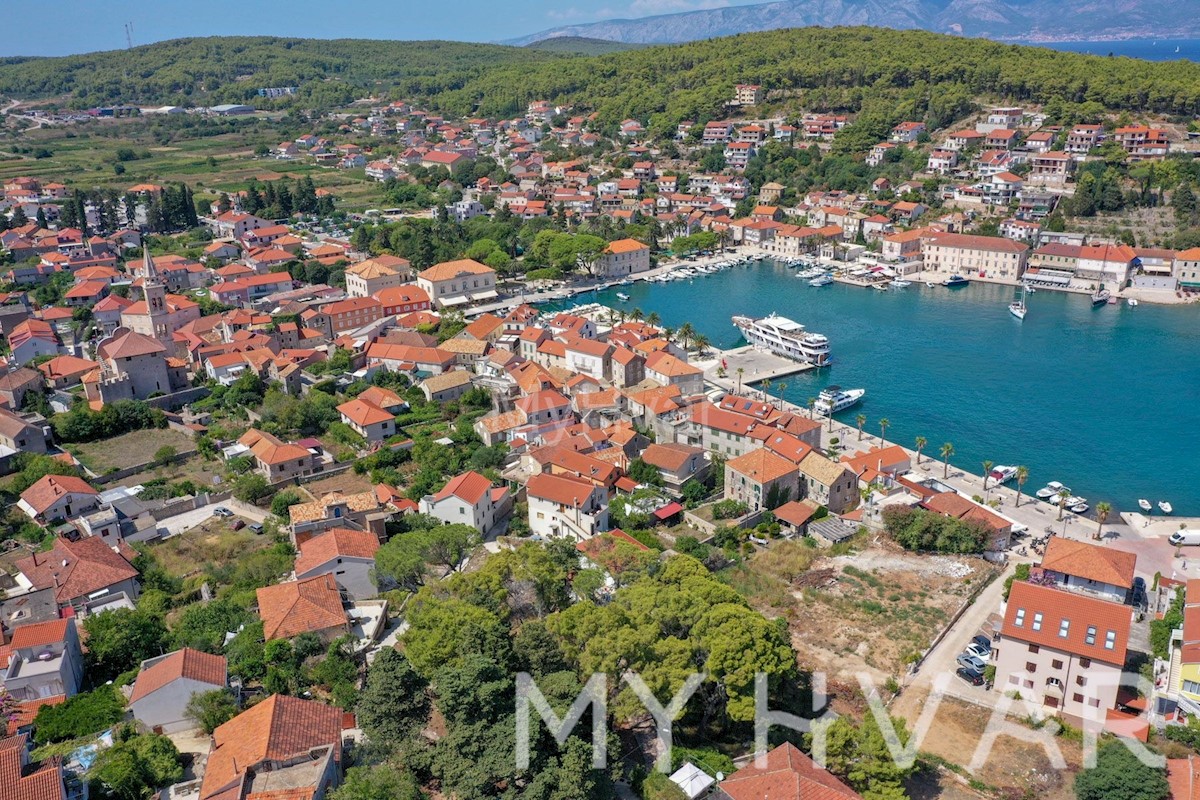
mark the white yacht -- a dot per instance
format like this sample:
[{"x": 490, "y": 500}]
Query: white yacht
[
  {"x": 900, "y": 283},
  {"x": 784, "y": 337},
  {"x": 1002, "y": 474},
  {"x": 624, "y": 298},
  {"x": 821, "y": 280},
  {"x": 834, "y": 399},
  {"x": 1050, "y": 490}
]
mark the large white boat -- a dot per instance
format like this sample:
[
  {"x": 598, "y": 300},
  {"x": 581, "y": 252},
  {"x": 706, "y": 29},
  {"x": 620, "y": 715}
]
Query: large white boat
[
  {"x": 1002, "y": 474},
  {"x": 834, "y": 399},
  {"x": 784, "y": 337},
  {"x": 821, "y": 280}
]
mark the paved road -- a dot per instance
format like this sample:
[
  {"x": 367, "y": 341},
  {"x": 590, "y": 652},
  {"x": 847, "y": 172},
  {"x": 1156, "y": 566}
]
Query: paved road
[
  {"x": 942, "y": 658},
  {"x": 189, "y": 519}
]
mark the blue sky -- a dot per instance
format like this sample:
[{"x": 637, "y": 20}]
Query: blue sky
[{"x": 80, "y": 26}]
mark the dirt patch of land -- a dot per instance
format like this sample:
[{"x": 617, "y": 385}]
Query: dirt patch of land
[
  {"x": 873, "y": 610},
  {"x": 348, "y": 482},
  {"x": 1018, "y": 768},
  {"x": 128, "y": 449},
  {"x": 211, "y": 542}
]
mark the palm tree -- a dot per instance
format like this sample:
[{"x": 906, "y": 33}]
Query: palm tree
[
  {"x": 766, "y": 389},
  {"x": 861, "y": 419},
  {"x": 883, "y": 426},
  {"x": 921, "y": 442},
  {"x": 653, "y": 318},
  {"x": 1022, "y": 476},
  {"x": 668, "y": 333},
  {"x": 740, "y": 372},
  {"x": 947, "y": 450},
  {"x": 1063, "y": 494},
  {"x": 687, "y": 333},
  {"x": 812, "y": 405},
  {"x": 782, "y": 392},
  {"x": 636, "y": 315},
  {"x": 830, "y": 415},
  {"x": 1102, "y": 512},
  {"x": 702, "y": 343},
  {"x": 987, "y": 473}
]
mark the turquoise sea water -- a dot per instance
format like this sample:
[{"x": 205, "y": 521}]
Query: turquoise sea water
[
  {"x": 1148, "y": 49},
  {"x": 1106, "y": 400}
]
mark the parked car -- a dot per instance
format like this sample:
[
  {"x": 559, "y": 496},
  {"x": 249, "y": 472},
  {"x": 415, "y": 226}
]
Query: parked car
[
  {"x": 970, "y": 676},
  {"x": 222, "y": 511},
  {"x": 971, "y": 662},
  {"x": 981, "y": 651},
  {"x": 256, "y": 527},
  {"x": 238, "y": 524},
  {"x": 982, "y": 640}
]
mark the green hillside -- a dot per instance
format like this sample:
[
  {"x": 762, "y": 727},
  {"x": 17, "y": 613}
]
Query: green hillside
[
  {"x": 582, "y": 46},
  {"x": 884, "y": 75},
  {"x": 230, "y": 69}
]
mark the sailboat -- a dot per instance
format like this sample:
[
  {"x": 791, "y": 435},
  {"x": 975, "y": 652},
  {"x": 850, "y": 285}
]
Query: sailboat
[{"x": 1017, "y": 307}]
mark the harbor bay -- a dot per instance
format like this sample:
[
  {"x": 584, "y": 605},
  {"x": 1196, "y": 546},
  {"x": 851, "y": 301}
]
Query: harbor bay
[{"x": 1105, "y": 400}]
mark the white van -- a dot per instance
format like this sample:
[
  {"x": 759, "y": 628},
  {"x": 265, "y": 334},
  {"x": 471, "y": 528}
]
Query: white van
[{"x": 1184, "y": 536}]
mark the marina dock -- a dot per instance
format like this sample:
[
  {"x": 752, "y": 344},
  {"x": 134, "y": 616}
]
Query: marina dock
[{"x": 756, "y": 365}]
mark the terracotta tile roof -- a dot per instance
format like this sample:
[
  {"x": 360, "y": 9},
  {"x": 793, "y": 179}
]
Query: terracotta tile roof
[
  {"x": 503, "y": 422},
  {"x": 360, "y": 502},
  {"x": 669, "y": 456},
  {"x": 335, "y": 543},
  {"x": 296, "y": 607},
  {"x": 821, "y": 469},
  {"x": 788, "y": 775},
  {"x": 452, "y": 269},
  {"x": 40, "y": 634},
  {"x": 76, "y": 568},
  {"x": 952, "y": 504},
  {"x": 625, "y": 246},
  {"x": 796, "y": 512},
  {"x": 185, "y": 663},
  {"x": 277, "y": 729},
  {"x": 381, "y": 397},
  {"x": 362, "y": 413},
  {"x": 1092, "y": 624},
  {"x": 27, "y": 712},
  {"x": 1085, "y": 560},
  {"x": 1183, "y": 778},
  {"x": 561, "y": 489},
  {"x": 270, "y": 450},
  {"x": 470, "y": 487},
  {"x": 761, "y": 466},
  {"x": 130, "y": 345},
  {"x": 43, "y": 781}
]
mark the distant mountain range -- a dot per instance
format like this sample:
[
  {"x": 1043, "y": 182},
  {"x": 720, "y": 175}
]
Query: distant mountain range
[
  {"x": 580, "y": 46},
  {"x": 1015, "y": 20}
]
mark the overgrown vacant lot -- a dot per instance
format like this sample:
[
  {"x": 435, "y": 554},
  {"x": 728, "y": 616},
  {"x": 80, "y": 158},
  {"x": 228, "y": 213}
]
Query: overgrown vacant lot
[
  {"x": 128, "y": 449},
  {"x": 871, "y": 610},
  {"x": 212, "y": 543}
]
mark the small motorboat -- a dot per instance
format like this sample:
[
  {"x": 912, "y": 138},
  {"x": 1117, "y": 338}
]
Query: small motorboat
[
  {"x": 624, "y": 298},
  {"x": 1144, "y": 504},
  {"x": 1080, "y": 508},
  {"x": 954, "y": 281},
  {"x": 1050, "y": 490},
  {"x": 1165, "y": 507},
  {"x": 1075, "y": 500},
  {"x": 900, "y": 283},
  {"x": 930, "y": 284},
  {"x": 1131, "y": 301}
]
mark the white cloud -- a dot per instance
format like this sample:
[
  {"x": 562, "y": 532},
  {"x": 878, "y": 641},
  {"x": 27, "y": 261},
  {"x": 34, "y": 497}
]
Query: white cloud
[{"x": 649, "y": 8}]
